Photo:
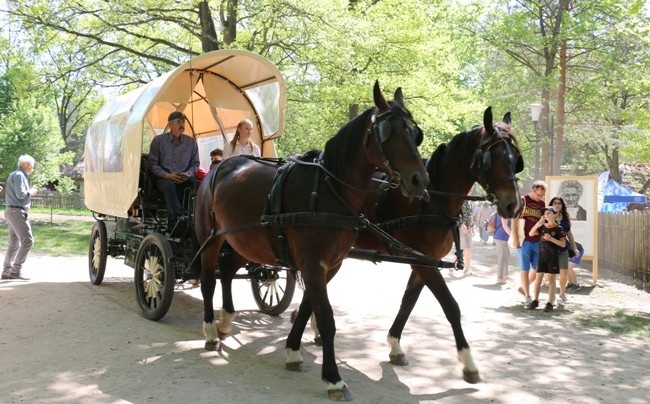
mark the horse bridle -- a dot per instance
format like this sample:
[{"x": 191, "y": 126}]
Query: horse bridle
[
  {"x": 381, "y": 129},
  {"x": 483, "y": 158}
]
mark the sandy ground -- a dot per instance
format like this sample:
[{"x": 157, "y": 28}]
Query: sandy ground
[{"x": 63, "y": 340}]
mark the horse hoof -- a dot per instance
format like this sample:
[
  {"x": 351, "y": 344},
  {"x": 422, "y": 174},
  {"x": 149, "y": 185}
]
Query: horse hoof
[
  {"x": 340, "y": 394},
  {"x": 318, "y": 341},
  {"x": 294, "y": 316},
  {"x": 471, "y": 376},
  {"x": 212, "y": 345},
  {"x": 398, "y": 360},
  {"x": 293, "y": 366}
]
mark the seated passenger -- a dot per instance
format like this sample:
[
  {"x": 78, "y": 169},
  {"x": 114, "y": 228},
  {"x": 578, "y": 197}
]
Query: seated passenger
[
  {"x": 173, "y": 161},
  {"x": 241, "y": 143},
  {"x": 216, "y": 157}
]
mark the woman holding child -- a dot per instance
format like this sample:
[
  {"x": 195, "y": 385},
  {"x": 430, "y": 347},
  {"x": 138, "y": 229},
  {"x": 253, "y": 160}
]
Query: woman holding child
[{"x": 564, "y": 221}]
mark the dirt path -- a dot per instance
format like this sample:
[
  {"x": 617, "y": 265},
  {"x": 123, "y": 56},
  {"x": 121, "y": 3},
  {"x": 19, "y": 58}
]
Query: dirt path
[{"x": 63, "y": 340}]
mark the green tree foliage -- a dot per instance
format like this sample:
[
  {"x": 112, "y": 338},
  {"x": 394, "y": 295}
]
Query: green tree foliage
[
  {"x": 452, "y": 59},
  {"x": 31, "y": 128}
]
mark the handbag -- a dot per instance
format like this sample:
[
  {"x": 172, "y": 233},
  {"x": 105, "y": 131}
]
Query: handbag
[
  {"x": 571, "y": 251},
  {"x": 491, "y": 225}
]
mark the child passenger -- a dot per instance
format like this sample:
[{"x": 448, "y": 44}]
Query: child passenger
[{"x": 552, "y": 239}]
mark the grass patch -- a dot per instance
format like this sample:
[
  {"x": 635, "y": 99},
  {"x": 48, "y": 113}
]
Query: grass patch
[
  {"x": 619, "y": 323},
  {"x": 61, "y": 211},
  {"x": 60, "y": 239}
]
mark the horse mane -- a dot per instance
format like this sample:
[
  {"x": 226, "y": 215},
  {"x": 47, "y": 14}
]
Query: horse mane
[
  {"x": 464, "y": 141},
  {"x": 341, "y": 148}
]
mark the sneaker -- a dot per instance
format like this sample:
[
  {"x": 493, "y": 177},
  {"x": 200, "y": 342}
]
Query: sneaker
[
  {"x": 15, "y": 276},
  {"x": 548, "y": 307},
  {"x": 534, "y": 304},
  {"x": 573, "y": 287},
  {"x": 562, "y": 298},
  {"x": 467, "y": 272}
]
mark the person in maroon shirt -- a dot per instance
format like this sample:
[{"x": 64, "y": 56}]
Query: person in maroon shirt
[{"x": 528, "y": 246}]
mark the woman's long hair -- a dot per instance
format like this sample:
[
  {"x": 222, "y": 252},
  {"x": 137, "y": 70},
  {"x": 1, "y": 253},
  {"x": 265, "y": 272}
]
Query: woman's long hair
[
  {"x": 235, "y": 138},
  {"x": 565, "y": 212}
]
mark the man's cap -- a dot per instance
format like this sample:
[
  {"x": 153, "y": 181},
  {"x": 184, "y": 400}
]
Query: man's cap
[
  {"x": 175, "y": 115},
  {"x": 551, "y": 208}
]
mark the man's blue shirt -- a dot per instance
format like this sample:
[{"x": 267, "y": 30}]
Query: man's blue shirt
[{"x": 168, "y": 155}]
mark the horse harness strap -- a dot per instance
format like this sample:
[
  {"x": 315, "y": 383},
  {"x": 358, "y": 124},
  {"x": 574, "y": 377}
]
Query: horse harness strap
[{"x": 275, "y": 218}]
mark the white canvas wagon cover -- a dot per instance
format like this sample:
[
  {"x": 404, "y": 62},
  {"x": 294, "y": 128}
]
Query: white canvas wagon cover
[{"x": 214, "y": 90}]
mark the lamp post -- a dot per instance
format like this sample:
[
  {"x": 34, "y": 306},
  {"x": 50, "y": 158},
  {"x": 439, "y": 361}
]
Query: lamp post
[{"x": 535, "y": 113}]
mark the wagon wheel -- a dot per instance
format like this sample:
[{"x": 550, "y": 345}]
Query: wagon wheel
[
  {"x": 97, "y": 251},
  {"x": 273, "y": 288},
  {"x": 154, "y": 276}
]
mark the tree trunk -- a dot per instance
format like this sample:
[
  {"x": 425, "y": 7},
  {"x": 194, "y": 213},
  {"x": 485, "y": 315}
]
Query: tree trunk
[
  {"x": 209, "y": 41},
  {"x": 353, "y": 111},
  {"x": 558, "y": 148},
  {"x": 229, "y": 20}
]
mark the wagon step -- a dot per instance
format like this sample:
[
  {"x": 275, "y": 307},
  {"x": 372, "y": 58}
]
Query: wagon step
[{"x": 375, "y": 257}]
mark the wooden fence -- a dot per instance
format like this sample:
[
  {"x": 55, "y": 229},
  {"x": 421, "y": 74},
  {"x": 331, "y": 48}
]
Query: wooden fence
[
  {"x": 624, "y": 244},
  {"x": 55, "y": 200}
]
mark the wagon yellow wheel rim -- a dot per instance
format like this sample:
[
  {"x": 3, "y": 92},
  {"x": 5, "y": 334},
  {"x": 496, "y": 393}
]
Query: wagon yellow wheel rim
[{"x": 155, "y": 273}]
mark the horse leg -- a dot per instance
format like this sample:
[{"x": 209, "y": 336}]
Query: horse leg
[
  {"x": 413, "y": 288},
  {"x": 436, "y": 283},
  {"x": 312, "y": 320},
  {"x": 294, "y": 360},
  {"x": 317, "y": 293},
  {"x": 208, "y": 283},
  {"x": 229, "y": 264}
]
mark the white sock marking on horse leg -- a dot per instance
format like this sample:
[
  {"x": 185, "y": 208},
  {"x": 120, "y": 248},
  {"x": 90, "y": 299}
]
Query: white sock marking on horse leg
[
  {"x": 210, "y": 331},
  {"x": 395, "y": 347},
  {"x": 293, "y": 356},
  {"x": 465, "y": 357},
  {"x": 338, "y": 386},
  {"x": 224, "y": 325}
]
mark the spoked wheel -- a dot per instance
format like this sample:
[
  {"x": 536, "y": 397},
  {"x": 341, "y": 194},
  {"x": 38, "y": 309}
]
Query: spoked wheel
[
  {"x": 273, "y": 288},
  {"x": 154, "y": 277},
  {"x": 97, "y": 251}
]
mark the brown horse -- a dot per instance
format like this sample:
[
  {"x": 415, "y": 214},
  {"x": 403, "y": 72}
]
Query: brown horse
[
  {"x": 488, "y": 155},
  {"x": 310, "y": 214}
]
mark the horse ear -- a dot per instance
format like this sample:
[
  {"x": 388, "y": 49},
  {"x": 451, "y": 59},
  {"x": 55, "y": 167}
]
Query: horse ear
[
  {"x": 487, "y": 121},
  {"x": 506, "y": 118},
  {"x": 380, "y": 101},
  {"x": 399, "y": 97}
]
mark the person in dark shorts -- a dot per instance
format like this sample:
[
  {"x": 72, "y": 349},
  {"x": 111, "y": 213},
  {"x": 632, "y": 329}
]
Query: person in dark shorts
[{"x": 552, "y": 239}]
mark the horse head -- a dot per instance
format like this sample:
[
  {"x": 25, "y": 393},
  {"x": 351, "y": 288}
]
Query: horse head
[
  {"x": 496, "y": 162},
  {"x": 392, "y": 141}
]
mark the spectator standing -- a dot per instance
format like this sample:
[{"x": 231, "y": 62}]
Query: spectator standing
[
  {"x": 552, "y": 236},
  {"x": 482, "y": 217},
  {"x": 500, "y": 237},
  {"x": 528, "y": 246},
  {"x": 564, "y": 221},
  {"x": 17, "y": 203},
  {"x": 467, "y": 235}
]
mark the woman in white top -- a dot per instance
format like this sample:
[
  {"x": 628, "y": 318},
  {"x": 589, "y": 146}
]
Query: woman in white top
[{"x": 241, "y": 143}]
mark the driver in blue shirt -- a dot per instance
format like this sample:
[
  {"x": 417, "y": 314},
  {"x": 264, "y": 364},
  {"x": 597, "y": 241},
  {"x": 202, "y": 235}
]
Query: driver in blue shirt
[{"x": 173, "y": 161}]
